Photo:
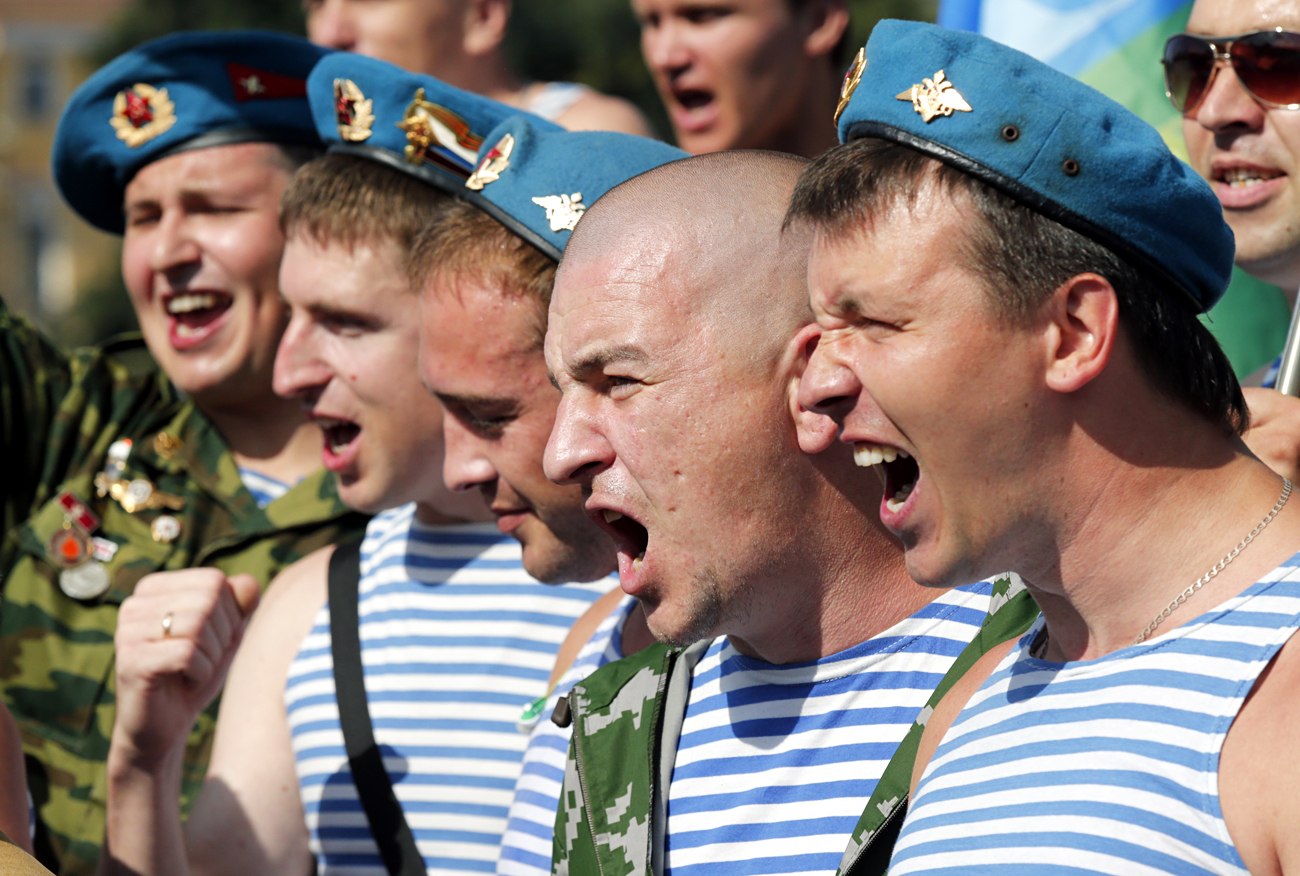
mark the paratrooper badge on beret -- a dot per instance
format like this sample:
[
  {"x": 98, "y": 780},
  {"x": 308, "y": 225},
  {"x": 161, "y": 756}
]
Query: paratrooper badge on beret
[
  {"x": 1045, "y": 139},
  {"x": 409, "y": 121},
  {"x": 182, "y": 92},
  {"x": 538, "y": 181}
]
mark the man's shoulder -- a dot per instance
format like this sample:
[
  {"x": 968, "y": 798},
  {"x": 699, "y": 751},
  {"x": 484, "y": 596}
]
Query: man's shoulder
[{"x": 642, "y": 674}]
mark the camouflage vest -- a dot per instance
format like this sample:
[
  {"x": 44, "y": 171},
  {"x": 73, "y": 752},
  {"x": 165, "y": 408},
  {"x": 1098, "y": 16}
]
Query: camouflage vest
[
  {"x": 627, "y": 718},
  {"x": 60, "y": 413}
]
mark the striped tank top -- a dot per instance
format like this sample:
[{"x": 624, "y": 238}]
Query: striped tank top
[
  {"x": 456, "y": 639},
  {"x": 776, "y": 763},
  {"x": 526, "y": 847},
  {"x": 1100, "y": 766}
]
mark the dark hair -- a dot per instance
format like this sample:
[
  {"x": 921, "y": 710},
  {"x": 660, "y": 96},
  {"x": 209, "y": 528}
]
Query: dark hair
[
  {"x": 350, "y": 200},
  {"x": 1023, "y": 257},
  {"x": 468, "y": 243}
]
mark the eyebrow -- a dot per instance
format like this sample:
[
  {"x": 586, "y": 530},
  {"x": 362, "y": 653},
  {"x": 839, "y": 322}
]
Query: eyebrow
[
  {"x": 472, "y": 400},
  {"x": 594, "y": 361}
]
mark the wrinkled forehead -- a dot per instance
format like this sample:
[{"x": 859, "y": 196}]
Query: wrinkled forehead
[
  {"x": 1232, "y": 17},
  {"x": 636, "y": 296}
]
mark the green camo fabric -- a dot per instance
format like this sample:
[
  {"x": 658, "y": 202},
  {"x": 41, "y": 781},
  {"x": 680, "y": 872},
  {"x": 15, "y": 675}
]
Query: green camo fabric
[
  {"x": 604, "y": 826},
  {"x": 61, "y": 411},
  {"x": 1011, "y": 613}
]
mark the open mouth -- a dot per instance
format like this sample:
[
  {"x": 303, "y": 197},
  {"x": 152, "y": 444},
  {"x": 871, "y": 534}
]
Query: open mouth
[
  {"x": 193, "y": 312},
  {"x": 630, "y": 537},
  {"x": 896, "y": 468},
  {"x": 693, "y": 98},
  {"x": 1241, "y": 177},
  {"x": 339, "y": 436}
]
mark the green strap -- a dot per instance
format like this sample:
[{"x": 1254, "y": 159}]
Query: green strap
[{"x": 872, "y": 841}]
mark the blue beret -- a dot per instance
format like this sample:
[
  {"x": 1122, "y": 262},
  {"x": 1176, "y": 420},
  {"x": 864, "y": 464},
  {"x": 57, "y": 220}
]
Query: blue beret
[
  {"x": 538, "y": 181},
  {"x": 409, "y": 121},
  {"x": 185, "y": 91},
  {"x": 1047, "y": 140}
]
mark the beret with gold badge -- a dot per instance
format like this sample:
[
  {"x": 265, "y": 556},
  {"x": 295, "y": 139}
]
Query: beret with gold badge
[
  {"x": 1056, "y": 145},
  {"x": 181, "y": 92}
]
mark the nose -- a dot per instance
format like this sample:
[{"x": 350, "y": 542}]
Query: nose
[
  {"x": 329, "y": 23},
  {"x": 1227, "y": 105},
  {"x": 665, "y": 47},
  {"x": 576, "y": 451},
  {"x": 299, "y": 371},
  {"x": 465, "y": 466},
  {"x": 175, "y": 251},
  {"x": 828, "y": 386}
]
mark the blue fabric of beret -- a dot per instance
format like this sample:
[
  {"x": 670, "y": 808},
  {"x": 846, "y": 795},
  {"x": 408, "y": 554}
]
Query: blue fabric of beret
[
  {"x": 409, "y": 121},
  {"x": 1058, "y": 146},
  {"x": 184, "y": 91},
  {"x": 538, "y": 181}
]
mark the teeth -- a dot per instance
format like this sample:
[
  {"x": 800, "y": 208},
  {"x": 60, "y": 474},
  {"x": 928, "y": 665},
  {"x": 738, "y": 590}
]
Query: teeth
[
  {"x": 191, "y": 302},
  {"x": 184, "y": 331},
  {"x": 612, "y": 515},
  {"x": 636, "y": 564},
  {"x": 896, "y": 502},
  {"x": 1240, "y": 177},
  {"x": 867, "y": 455}
]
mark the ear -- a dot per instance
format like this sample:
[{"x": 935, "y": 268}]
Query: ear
[
  {"x": 1082, "y": 327},
  {"x": 816, "y": 432},
  {"x": 826, "y": 21},
  {"x": 485, "y": 25}
]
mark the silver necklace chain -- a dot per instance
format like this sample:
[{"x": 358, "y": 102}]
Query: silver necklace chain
[{"x": 1218, "y": 567}]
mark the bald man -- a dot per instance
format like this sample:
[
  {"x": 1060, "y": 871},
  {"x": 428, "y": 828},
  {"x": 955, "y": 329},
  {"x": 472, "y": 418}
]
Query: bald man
[{"x": 678, "y": 329}]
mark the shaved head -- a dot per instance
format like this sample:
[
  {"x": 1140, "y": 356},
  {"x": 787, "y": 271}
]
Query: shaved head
[{"x": 712, "y": 223}]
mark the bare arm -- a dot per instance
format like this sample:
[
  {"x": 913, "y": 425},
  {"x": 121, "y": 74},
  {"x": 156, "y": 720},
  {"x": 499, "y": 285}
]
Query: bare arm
[
  {"x": 249, "y": 818},
  {"x": 176, "y": 636},
  {"x": 164, "y": 681},
  {"x": 1258, "y": 773},
  {"x": 600, "y": 112}
]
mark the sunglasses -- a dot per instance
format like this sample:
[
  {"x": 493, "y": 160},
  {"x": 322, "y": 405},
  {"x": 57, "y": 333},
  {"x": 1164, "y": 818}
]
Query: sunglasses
[{"x": 1267, "y": 63}]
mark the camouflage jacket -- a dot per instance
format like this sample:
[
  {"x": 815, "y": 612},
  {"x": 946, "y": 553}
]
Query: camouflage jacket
[
  {"x": 60, "y": 414},
  {"x": 627, "y": 718}
]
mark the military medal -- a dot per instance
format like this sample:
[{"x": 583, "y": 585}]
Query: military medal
[
  {"x": 82, "y": 577},
  {"x": 436, "y": 134},
  {"x": 87, "y": 581},
  {"x": 103, "y": 549},
  {"x": 165, "y": 529},
  {"x": 136, "y": 495}
]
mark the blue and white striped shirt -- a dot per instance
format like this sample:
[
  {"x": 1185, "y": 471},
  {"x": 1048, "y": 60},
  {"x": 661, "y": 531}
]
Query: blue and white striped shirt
[
  {"x": 526, "y": 847},
  {"x": 776, "y": 763},
  {"x": 456, "y": 639},
  {"x": 1100, "y": 766},
  {"x": 265, "y": 489}
]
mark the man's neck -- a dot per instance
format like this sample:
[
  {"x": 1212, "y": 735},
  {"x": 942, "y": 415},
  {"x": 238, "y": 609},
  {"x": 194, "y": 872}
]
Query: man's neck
[
  {"x": 811, "y": 132},
  {"x": 1137, "y": 528},
  {"x": 842, "y": 582},
  {"x": 271, "y": 438}
]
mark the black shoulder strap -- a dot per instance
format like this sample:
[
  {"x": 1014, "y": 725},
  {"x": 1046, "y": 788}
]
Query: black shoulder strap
[{"x": 387, "y": 823}]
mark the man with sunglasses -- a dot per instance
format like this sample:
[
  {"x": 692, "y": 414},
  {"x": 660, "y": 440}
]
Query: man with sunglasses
[{"x": 1235, "y": 77}]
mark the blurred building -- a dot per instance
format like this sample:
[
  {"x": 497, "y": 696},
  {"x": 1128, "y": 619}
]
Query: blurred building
[{"x": 49, "y": 255}]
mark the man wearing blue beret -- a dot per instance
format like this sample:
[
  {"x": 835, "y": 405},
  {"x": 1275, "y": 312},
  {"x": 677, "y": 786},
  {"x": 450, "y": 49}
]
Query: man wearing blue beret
[
  {"x": 456, "y": 639},
  {"x": 678, "y": 329},
  {"x": 1006, "y": 268},
  {"x": 136, "y": 457}
]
